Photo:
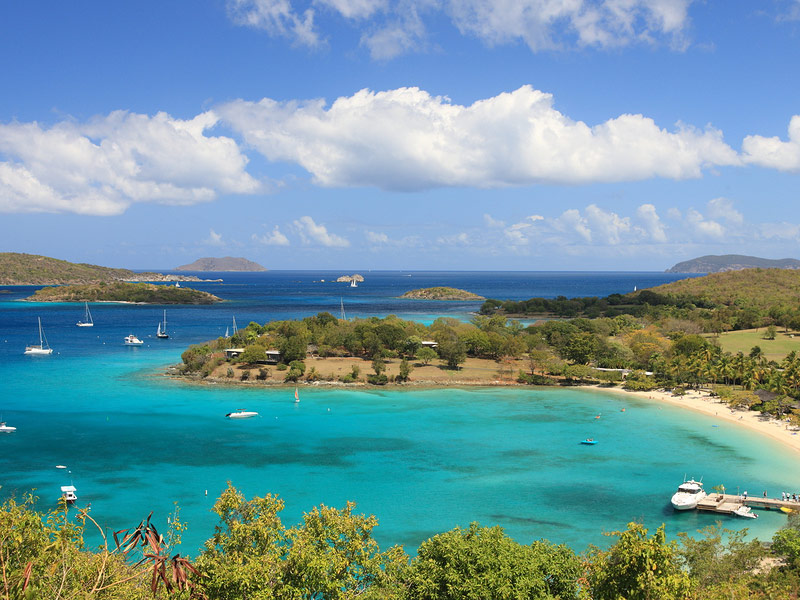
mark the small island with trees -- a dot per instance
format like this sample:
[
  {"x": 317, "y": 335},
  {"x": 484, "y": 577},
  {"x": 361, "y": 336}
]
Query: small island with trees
[
  {"x": 226, "y": 263},
  {"x": 441, "y": 293},
  {"x": 118, "y": 291}
]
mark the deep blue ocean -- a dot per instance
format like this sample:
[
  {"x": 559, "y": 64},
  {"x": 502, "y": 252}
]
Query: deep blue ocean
[{"x": 422, "y": 461}]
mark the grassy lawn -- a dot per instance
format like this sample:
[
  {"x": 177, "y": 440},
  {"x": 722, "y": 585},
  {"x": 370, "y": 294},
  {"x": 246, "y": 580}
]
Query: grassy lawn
[{"x": 743, "y": 341}]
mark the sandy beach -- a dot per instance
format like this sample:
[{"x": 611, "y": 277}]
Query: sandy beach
[{"x": 703, "y": 402}]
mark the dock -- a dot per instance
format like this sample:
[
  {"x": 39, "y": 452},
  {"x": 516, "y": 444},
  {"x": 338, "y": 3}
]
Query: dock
[{"x": 728, "y": 503}]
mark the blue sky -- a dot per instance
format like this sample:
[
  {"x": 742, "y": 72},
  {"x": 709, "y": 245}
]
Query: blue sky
[{"x": 419, "y": 134}]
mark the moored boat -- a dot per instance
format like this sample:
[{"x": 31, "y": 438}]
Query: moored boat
[
  {"x": 688, "y": 495},
  {"x": 132, "y": 340},
  {"x": 241, "y": 414},
  {"x": 87, "y": 317},
  {"x": 746, "y": 512},
  {"x": 43, "y": 347},
  {"x": 68, "y": 493},
  {"x": 589, "y": 441},
  {"x": 6, "y": 428}
]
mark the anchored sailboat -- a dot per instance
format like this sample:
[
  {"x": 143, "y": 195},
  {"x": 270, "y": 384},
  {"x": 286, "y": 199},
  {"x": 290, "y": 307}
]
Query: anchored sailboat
[
  {"x": 162, "y": 330},
  {"x": 43, "y": 347},
  {"x": 87, "y": 317}
]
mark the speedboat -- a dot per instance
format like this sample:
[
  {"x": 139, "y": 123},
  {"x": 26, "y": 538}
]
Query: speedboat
[
  {"x": 688, "y": 495},
  {"x": 242, "y": 414},
  {"x": 6, "y": 428},
  {"x": 68, "y": 493},
  {"x": 589, "y": 441},
  {"x": 132, "y": 340},
  {"x": 744, "y": 511}
]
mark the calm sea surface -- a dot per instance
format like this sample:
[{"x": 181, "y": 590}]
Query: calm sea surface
[{"x": 423, "y": 461}]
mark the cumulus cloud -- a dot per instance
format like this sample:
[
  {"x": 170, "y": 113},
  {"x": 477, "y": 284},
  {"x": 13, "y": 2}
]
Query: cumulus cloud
[
  {"x": 102, "y": 166},
  {"x": 312, "y": 233},
  {"x": 704, "y": 227},
  {"x": 277, "y": 17},
  {"x": 389, "y": 29},
  {"x": 406, "y": 139},
  {"x": 374, "y": 237},
  {"x": 721, "y": 209},
  {"x": 274, "y": 238},
  {"x": 214, "y": 238},
  {"x": 651, "y": 224},
  {"x": 773, "y": 153},
  {"x": 492, "y": 223}
]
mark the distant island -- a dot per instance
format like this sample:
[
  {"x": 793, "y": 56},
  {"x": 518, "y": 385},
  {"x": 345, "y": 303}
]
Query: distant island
[
  {"x": 731, "y": 262},
  {"x": 33, "y": 269},
  {"x": 140, "y": 293},
  {"x": 441, "y": 293},
  {"x": 226, "y": 263},
  {"x": 348, "y": 278}
]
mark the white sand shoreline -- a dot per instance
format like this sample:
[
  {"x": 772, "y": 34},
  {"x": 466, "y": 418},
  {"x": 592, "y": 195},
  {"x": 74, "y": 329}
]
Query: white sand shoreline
[{"x": 705, "y": 403}]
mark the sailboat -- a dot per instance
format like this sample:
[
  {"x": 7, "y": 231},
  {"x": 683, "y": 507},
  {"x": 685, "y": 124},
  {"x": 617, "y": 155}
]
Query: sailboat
[
  {"x": 43, "y": 347},
  {"x": 343, "y": 317},
  {"x": 353, "y": 283},
  {"x": 87, "y": 317},
  {"x": 235, "y": 330},
  {"x": 162, "y": 331},
  {"x": 296, "y": 397}
]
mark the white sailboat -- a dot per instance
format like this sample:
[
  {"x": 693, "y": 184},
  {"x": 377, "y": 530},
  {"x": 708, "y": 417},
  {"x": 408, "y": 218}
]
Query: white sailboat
[
  {"x": 162, "y": 331},
  {"x": 353, "y": 283},
  {"x": 87, "y": 317},
  {"x": 43, "y": 347}
]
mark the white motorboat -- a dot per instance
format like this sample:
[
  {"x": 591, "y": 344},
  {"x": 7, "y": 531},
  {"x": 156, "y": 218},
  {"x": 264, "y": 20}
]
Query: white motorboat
[
  {"x": 132, "y": 340},
  {"x": 688, "y": 495},
  {"x": 746, "y": 512},
  {"x": 68, "y": 493},
  {"x": 241, "y": 414},
  {"x": 6, "y": 428},
  {"x": 87, "y": 317},
  {"x": 43, "y": 347}
]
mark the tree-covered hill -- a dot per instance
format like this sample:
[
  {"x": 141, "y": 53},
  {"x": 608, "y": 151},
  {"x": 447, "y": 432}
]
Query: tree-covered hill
[
  {"x": 118, "y": 291},
  {"x": 731, "y": 262},
  {"x": 760, "y": 289},
  {"x": 441, "y": 293}
]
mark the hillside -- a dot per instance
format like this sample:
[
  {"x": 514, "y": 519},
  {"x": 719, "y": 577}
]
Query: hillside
[
  {"x": 32, "y": 269},
  {"x": 226, "y": 263},
  {"x": 731, "y": 262},
  {"x": 757, "y": 288},
  {"x": 145, "y": 293},
  {"x": 441, "y": 293}
]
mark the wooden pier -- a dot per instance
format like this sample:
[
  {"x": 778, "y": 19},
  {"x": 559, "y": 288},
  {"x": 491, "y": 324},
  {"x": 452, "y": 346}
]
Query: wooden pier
[{"x": 728, "y": 503}]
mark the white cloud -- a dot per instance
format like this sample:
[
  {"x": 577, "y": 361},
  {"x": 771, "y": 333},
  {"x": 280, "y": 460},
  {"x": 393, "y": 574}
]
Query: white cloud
[
  {"x": 703, "y": 227},
  {"x": 406, "y": 139},
  {"x": 389, "y": 29},
  {"x": 772, "y": 152},
  {"x": 274, "y": 238},
  {"x": 102, "y": 166},
  {"x": 277, "y": 18},
  {"x": 651, "y": 223},
  {"x": 721, "y": 209},
  {"x": 609, "y": 226},
  {"x": 214, "y": 238},
  {"x": 492, "y": 223},
  {"x": 311, "y": 233},
  {"x": 458, "y": 239},
  {"x": 376, "y": 238},
  {"x": 571, "y": 221}
]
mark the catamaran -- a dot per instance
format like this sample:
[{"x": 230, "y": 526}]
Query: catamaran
[
  {"x": 87, "y": 317},
  {"x": 162, "y": 331},
  {"x": 43, "y": 347}
]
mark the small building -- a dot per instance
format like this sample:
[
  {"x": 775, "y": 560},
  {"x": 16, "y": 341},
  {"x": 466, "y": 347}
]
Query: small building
[
  {"x": 429, "y": 344},
  {"x": 273, "y": 357},
  {"x": 233, "y": 352}
]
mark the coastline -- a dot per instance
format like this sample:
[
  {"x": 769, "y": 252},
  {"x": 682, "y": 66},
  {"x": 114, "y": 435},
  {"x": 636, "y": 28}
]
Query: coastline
[{"x": 704, "y": 402}]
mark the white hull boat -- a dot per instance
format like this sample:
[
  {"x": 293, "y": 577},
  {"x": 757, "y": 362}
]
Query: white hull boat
[
  {"x": 43, "y": 347},
  {"x": 132, "y": 340},
  {"x": 6, "y": 428},
  {"x": 688, "y": 495},
  {"x": 242, "y": 414},
  {"x": 87, "y": 318},
  {"x": 68, "y": 494},
  {"x": 161, "y": 332},
  {"x": 744, "y": 511}
]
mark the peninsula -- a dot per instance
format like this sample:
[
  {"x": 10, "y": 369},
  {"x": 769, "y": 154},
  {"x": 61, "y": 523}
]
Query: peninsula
[
  {"x": 731, "y": 262},
  {"x": 226, "y": 263},
  {"x": 441, "y": 293},
  {"x": 33, "y": 269},
  {"x": 141, "y": 293}
]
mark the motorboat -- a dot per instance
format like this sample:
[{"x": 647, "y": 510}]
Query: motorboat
[
  {"x": 87, "y": 317},
  {"x": 43, "y": 347},
  {"x": 132, "y": 340},
  {"x": 746, "y": 512},
  {"x": 241, "y": 414},
  {"x": 589, "y": 441},
  {"x": 6, "y": 428},
  {"x": 68, "y": 493},
  {"x": 688, "y": 495}
]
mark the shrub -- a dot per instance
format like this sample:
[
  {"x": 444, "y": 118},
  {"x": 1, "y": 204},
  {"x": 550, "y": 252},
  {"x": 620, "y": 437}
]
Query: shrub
[
  {"x": 229, "y": 372},
  {"x": 381, "y": 379}
]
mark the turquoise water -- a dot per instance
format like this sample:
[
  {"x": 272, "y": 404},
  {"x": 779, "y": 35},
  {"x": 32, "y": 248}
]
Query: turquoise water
[{"x": 423, "y": 461}]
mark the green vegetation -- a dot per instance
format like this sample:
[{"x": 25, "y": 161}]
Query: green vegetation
[
  {"x": 30, "y": 269},
  {"x": 773, "y": 348},
  {"x": 332, "y": 555},
  {"x": 441, "y": 293},
  {"x": 118, "y": 291},
  {"x": 731, "y": 262}
]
